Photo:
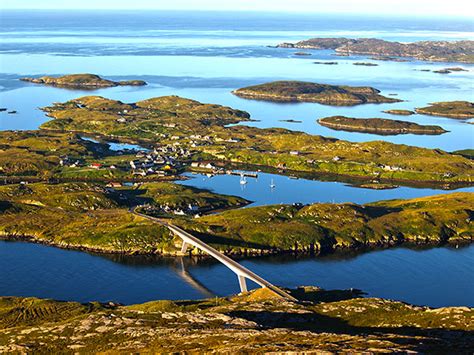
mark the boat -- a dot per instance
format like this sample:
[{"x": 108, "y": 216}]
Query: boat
[
  {"x": 243, "y": 180},
  {"x": 272, "y": 185}
]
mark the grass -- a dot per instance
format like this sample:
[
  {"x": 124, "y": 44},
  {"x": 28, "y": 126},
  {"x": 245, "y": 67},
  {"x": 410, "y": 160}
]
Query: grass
[
  {"x": 162, "y": 120},
  {"x": 81, "y": 81},
  {"x": 451, "y": 109},
  {"x": 435, "y": 219},
  {"x": 294, "y": 91},
  {"x": 89, "y": 216},
  {"x": 250, "y": 323},
  {"x": 378, "y": 125}
]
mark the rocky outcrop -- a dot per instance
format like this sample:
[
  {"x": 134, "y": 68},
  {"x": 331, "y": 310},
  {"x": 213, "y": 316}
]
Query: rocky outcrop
[
  {"x": 82, "y": 81},
  {"x": 450, "y": 109},
  {"x": 436, "y": 51},
  {"x": 380, "y": 126},
  {"x": 400, "y": 112},
  {"x": 300, "y": 91}
]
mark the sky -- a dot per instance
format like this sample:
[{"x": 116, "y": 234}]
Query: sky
[{"x": 458, "y": 8}]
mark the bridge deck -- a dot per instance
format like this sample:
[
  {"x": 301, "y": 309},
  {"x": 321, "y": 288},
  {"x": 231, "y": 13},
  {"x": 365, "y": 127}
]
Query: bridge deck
[{"x": 241, "y": 271}]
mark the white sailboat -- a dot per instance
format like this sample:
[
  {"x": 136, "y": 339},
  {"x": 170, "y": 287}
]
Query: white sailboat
[
  {"x": 272, "y": 185},
  {"x": 243, "y": 180}
]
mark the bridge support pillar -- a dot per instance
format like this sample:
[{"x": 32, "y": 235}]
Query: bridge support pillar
[
  {"x": 184, "y": 247},
  {"x": 242, "y": 283}
]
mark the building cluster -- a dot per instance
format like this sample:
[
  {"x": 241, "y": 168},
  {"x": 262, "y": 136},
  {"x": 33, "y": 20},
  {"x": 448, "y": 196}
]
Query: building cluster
[
  {"x": 188, "y": 210},
  {"x": 159, "y": 161},
  {"x": 65, "y": 160}
]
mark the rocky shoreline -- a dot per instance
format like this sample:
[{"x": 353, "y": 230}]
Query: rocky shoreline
[
  {"x": 82, "y": 81},
  {"x": 451, "y": 109},
  {"x": 247, "y": 253},
  {"x": 299, "y": 91},
  {"x": 378, "y": 126},
  {"x": 433, "y": 51}
]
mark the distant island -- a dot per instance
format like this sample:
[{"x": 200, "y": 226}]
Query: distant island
[
  {"x": 365, "y": 64},
  {"x": 326, "y": 63},
  {"x": 433, "y": 51},
  {"x": 378, "y": 126},
  {"x": 450, "y": 109},
  {"x": 82, "y": 81},
  {"x": 300, "y": 91},
  {"x": 400, "y": 112},
  {"x": 449, "y": 70}
]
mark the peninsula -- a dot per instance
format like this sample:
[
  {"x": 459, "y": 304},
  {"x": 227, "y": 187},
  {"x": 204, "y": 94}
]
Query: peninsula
[
  {"x": 207, "y": 132},
  {"x": 450, "y": 109},
  {"x": 82, "y": 81},
  {"x": 96, "y": 217},
  {"x": 300, "y": 91},
  {"x": 435, "y": 51},
  {"x": 254, "y": 322},
  {"x": 380, "y": 126}
]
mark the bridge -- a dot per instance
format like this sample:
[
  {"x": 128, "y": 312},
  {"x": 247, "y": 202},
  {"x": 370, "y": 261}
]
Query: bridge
[{"x": 242, "y": 272}]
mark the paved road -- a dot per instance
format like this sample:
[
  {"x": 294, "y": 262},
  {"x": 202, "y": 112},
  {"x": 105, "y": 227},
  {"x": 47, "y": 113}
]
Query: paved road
[{"x": 241, "y": 271}]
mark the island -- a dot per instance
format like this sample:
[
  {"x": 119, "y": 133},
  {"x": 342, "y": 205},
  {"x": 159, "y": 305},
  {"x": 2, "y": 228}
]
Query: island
[
  {"x": 400, "y": 112},
  {"x": 442, "y": 71},
  {"x": 365, "y": 64},
  {"x": 291, "y": 121},
  {"x": 180, "y": 132},
  {"x": 449, "y": 70},
  {"x": 258, "y": 321},
  {"x": 380, "y": 126},
  {"x": 450, "y": 109},
  {"x": 300, "y": 91},
  {"x": 82, "y": 81},
  {"x": 208, "y": 132},
  {"x": 433, "y": 51},
  {"x": 326, "y": 63}
]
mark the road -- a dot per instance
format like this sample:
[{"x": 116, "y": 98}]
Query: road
[{"x": 241, "y": 271}]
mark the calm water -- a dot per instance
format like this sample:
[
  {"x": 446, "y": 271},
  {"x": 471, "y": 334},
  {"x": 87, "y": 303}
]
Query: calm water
[
  {"x": 435, "y": 277},
  {"x": 204, "y": 56},
  {"x": 304, "y": 191}
]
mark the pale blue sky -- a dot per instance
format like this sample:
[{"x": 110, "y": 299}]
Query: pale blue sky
[{"x": 392, "y": 7}]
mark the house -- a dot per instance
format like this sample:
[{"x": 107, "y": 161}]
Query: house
[
  {"x": 113, "y": 184},
  {"x": 96, "y": 166},
  {"x": 193, "y": 208},
  {"x": 336, "y": 158},
  {"x": 179, "y": 212},
  {"x": 294, "y": 152}
]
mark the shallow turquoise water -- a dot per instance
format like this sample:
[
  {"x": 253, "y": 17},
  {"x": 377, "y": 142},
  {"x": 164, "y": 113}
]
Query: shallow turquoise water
[{"x": 204, "y": 56}]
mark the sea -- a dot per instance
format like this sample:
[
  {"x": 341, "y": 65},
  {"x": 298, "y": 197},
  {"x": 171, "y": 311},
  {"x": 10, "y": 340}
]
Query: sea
[{"x": 204, "y": 56}]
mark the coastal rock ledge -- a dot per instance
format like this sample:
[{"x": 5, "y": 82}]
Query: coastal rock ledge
[
  {"x": 300, "y": 91},
  {"x": 82, "y": 81}
]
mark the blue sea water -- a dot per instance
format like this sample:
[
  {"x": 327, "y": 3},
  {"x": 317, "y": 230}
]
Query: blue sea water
[{"x": 204, "y": 56}]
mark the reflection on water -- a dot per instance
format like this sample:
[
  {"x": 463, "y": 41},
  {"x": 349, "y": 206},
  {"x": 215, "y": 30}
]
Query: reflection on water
[
  {"x": 204, "y": 56},
  {"x": 435, "y": 276},
  {"x": 287, "y": 190}
]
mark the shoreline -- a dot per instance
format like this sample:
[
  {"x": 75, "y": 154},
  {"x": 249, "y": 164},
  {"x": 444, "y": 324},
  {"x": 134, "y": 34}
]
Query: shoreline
[{"x": 247, "y": 253}]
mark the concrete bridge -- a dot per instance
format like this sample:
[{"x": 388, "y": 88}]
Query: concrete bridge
[{"x": 241, "y": 272}]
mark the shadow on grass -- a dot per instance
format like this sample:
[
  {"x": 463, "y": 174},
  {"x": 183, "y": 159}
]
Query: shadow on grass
[{"x": 436, "y": 340}]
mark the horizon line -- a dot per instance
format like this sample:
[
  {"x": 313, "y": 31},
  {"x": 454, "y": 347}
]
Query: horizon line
[{"x": 300, "y": 12}]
